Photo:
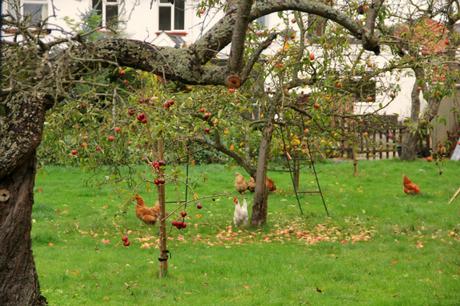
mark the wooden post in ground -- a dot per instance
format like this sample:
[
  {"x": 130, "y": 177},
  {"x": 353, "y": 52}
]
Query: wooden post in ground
[{"x": 161, "y": 199}]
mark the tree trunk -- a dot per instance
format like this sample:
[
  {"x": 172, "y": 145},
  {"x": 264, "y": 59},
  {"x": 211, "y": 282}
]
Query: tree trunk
[
  {"x": 18, "y": 277},
  {"x": 410, "y": 138},
  {"x": 409, "y": 146},
  {"x": 260, "y": 205}
]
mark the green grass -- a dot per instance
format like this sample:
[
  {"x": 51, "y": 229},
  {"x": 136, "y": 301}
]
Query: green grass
[{"x": 379, "y": 247}]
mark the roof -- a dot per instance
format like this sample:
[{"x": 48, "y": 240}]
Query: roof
[{"x": 428, "y": 33}]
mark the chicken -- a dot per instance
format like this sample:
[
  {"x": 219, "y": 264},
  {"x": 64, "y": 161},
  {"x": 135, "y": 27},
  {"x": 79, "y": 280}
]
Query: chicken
[
  {"x": 409, "y": 186},
  {"x": 240, "y": 216},
  {"x": 148, "y": 215},
  {"x": 268, "y": 182},
  {"x": 252, "y": 184},
  {"x": 240, "y": 183}
]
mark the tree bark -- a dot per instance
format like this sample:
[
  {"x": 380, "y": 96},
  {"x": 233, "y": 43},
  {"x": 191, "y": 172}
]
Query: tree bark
[
  {"x": 260, "y": 205},
  {"x": 410, "y": 137},
  {"x": 409, "y": 146},
  {"x": 235, "y": 61},
  {"x": 18, "y": 277}
]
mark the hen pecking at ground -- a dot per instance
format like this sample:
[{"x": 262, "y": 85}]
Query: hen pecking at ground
[
  {"x": 240, "y": 183},
  {"x": 409, "y": 186}
]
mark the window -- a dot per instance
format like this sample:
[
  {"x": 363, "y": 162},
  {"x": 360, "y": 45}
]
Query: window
[
  {"x": 34, "y": 12},
  {"x": 108, "y": 10},
  {"x": 171, "y": 15}
]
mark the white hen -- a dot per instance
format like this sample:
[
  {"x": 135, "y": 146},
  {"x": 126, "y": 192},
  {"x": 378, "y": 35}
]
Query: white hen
[{"x": 240, "y": 216}]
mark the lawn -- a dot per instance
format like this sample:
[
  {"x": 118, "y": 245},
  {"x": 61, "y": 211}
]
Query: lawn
[{"x": 378, "y": 247}]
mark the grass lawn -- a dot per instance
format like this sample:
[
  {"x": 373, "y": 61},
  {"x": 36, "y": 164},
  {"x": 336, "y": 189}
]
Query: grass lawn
[{"x": 378, "y": 247}]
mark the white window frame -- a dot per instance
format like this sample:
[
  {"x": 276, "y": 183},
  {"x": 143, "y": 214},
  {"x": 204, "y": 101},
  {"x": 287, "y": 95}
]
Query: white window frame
[
  {"x": 173, "y": 16},
  {"x": 103, "y": 15},
  {"x": 20, "y": 9}
]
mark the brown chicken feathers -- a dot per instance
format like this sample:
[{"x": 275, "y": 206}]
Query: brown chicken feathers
[
  {"x": 409, "y": 186},
  {"x": 148, "y": 215},
  {"x": 241, "y": 185}
]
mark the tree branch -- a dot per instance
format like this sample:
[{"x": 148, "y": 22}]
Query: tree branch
[
  {"x": 235, "y": 62},
  {"x": 255, "y": 56},
  {"x": 220, "y": 34},
  {"x": 370, "y": 42},
  {"x": 221, "y": 148}
]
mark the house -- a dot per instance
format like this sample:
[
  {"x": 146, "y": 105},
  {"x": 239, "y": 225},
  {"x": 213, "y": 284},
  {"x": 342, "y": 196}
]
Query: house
[{"x": 173, "y": 23}]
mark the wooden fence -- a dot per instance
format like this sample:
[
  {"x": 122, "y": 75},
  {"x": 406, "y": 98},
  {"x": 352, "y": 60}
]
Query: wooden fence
[
  {"x": 377, "y": 137},
  {"x": 372, "y": 144}
]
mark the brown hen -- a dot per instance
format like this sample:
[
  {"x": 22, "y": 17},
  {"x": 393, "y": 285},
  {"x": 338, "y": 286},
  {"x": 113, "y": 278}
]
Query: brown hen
[
  {"x": 240, "y": 183},
  {"x": 148, "y": 215}
]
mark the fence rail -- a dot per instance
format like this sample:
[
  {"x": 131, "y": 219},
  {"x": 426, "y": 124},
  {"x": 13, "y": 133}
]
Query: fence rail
[{"x": 371, "y": 143}]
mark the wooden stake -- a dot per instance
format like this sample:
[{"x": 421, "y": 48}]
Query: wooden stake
[
  {"x": 355, "y": 160},
  {"x": 161, "y": 199}
]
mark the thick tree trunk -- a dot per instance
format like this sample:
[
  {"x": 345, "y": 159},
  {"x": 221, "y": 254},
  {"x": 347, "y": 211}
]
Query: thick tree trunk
[
  {"x": 409, "y": 146},
  {"x": 410, "y": 138},
  {"x": 18, "y": 277},
  {"x": 260, "y": 205}
]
